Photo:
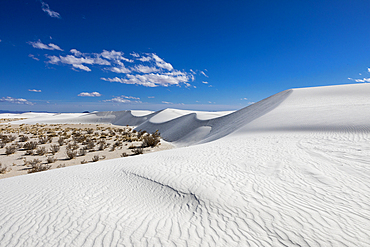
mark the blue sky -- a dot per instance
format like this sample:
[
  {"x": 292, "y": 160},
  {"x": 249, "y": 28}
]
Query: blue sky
[{"x": 72, "y": 56}]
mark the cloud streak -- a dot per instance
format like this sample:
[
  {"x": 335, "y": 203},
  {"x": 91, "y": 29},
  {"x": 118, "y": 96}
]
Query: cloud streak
[
  {"x": 34, "y": 90},
  {"x": 45, "y": 7},
  {"x": 19, "y": 101},
  {"x": 93, "y": 94},
  {"x": 124, "y": 99},
  {"x": 39, "y": 45},
  {"x": 360, "y": 80}
]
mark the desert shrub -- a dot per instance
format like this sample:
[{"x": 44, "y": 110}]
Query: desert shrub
[
  {"x": 29, "y": 152},
  {"x": 151, "y": 140},
  {"x": 2, "y": 145},
  {"x": 141, "y": 133},
  {"x": 10, "y": 149},
  {"x": 61, "y": 141},
  {"x": 83, "y": 161},
  {"x": 89, "y": 131},
  {"x": 71, "y": 154},
  {"x": 30, "y": 145},
  {"x": 33, "y": 162},
  {"x": 50, "y": 159},
  {"x": 90, "y": 144},
  {"x": 95, "y": 158},
  {"x": 43, "y": 140},
  {"x": 137, "y": 151},
  {"x": 103, "y": 157},
  {"x": 61, "y": 165},
  {"x": 41, "y": 151},
  {"x": 6, "y": 139},
  {"x": 54, "y": 149},
  {"x": 72, "y": 146},
  {"x": 3, "y": 169},
  {"x": 36, "y": 166},
  {"x": 132, "y": 146},
  {"x": 82, "y": 152},
  {"x": 124, "y": 154},
  {"x": 12, "y": 138},
  {"x": 23, "y": 138},
  {"x": 102, "y": 144}
]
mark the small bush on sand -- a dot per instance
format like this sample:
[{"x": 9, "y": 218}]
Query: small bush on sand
[
  {"x": 72, "y": 146},
  {"x": 151, "y": 140},
  {"x": 83, "y": 161},
  {"x": 54, "y": 149},
  {"x": 30, "y": 145},
  {"x": 23, "y": 138},
  {"x": 124, "y": 154},
  {"x": 61, "y": 165},
  {"x": 41, "y": 151},
  {"x": 36, "y": 166},
  {"x": 29, "y": 152},
  {"x": 71, "y": 154},
  {"x": 61, "y": 141},
  {"x": 82, "y": 152},
  {"x": 137, "y": 151},
  {"x": 4, "y": 169},
  {"x": 10, "y": 149},
  {"x": 50, "y": 159},
  {"x": 95, "y": 158}
]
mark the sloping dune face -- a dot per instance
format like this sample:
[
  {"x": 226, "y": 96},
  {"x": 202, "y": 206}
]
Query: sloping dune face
[{"x": 291, "y": 170}]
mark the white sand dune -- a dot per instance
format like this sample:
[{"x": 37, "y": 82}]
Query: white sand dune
[{"x": 291, "y": 170}]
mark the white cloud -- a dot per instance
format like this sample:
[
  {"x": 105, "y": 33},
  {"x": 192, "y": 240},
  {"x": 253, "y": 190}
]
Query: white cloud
[
  {"x": 205, "y": 82},
  {"x": 145, "y": 59},
  {"x": 53, "y": 59},
  {"x": 122, "y": 69},
  {"x": 244, "y": 99},
  {"x": 115, "y": 55},
  {"x": 204, "y": 74},
  {"x": 165, "y": 102},
  {"x": 161, "y": 63},
  {"x": 76, "y": 52},
  {"x": 124, "y": 99},
  {"x": 33, "y": 57},
  {"x": 368, "y": 69},
  {"x": 16, "y": 101},
  {"x": 153, "y": 80},
  {"x": 39, "y": 45},
  {"x": 82, "y": 67},
  {"x": 360, "y": 80},
  {"x": 70, "y": 59},
  {"x": 34, "y": 90},
  {"x": 151, "y": 97},
  {"x": 130, "y": 97},
  {"x": 93, "y": 94},
  {"x": 145, "y": 69},
  {"x": 153, "y": 71},
  {"x": 45, "y": 7}
]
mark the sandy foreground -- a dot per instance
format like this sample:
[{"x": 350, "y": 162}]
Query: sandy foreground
[
  {"x": 16, "y": 163},
  {"x": 290, "y": 170}
]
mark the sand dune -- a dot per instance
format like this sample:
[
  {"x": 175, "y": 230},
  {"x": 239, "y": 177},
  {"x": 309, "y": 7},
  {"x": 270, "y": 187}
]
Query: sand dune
[{"x": 290, "y": 170}]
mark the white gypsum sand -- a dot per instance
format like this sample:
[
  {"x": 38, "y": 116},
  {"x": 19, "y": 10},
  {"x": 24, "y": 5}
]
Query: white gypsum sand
[{"x": 291, "y": 170}]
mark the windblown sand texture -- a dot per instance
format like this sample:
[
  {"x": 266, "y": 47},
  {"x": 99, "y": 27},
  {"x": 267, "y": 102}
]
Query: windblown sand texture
[{"x": 290, "y": 170}]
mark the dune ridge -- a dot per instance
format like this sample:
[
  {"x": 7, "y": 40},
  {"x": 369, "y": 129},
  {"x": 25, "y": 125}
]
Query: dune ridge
[{"x": 291, "y": 170}]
